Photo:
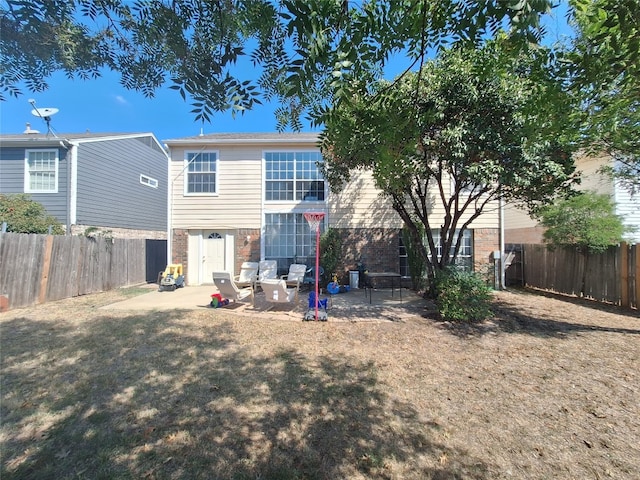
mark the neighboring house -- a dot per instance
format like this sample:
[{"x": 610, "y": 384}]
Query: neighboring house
[
  {"x": 239, "y": 197},
  {"x": 116, "y": 182},
  {"x": 521, "y": 228}
]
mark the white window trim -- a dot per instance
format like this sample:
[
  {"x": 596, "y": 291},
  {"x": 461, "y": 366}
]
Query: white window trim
[
  {"x": 148, "y": 181},
  {"x": 307, "y": 203},
  {"x": 27, "y": 173},
  {"x": 185, "y": 169}
]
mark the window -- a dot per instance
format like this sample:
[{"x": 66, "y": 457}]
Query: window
[
  {"x": 293, "y": 176},
  {"x": 465, "y": 255},
  {"x": 41, "y": 171},
  {"x": 289, "y": 239},
  {"x": 148, "y": 181},
  {"x": 201, "y": 173}
]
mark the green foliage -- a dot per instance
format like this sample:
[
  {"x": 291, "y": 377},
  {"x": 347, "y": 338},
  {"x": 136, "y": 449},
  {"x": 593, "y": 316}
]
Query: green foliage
[
  {"x": 24, "y": 215},
  {"x": 462, "y": 296},
  {"x": 417, "y": 267},
  {"x": 330, "y": 253},
  {"x": 586, "y": 221},
  {"x": 603, "y": 67},
  {"x": 473, "y": 126},
  {"x": 308, "y": 53}
]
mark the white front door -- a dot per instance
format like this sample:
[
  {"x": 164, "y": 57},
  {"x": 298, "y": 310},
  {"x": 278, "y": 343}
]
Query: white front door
[{"x": 212, "y": 255}]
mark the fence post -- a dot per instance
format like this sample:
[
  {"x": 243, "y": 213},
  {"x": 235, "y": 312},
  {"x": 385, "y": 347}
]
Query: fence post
[
  {"x": 624, "y": 275},
  {"x": 46, "y": 264}
]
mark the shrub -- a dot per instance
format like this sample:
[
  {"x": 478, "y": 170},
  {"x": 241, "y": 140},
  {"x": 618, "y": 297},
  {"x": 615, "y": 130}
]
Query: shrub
[
  {"x": 24, "y": 215},
  {"x": 462, "y": 296},
  {"x": 330, "y": 253}
]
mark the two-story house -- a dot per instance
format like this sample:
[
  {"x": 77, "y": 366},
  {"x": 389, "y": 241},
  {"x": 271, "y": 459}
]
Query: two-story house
[
  {"x": 239, "y": 197},
  {"x": 110, "y": 181}
]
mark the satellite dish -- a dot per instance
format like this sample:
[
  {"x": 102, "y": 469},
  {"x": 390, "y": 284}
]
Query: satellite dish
[{"x": 44, "y": 112}]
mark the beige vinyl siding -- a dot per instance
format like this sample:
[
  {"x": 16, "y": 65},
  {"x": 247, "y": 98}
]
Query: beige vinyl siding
[
  {"x": 237, "y": 202},
  {"x": 592, "y": 179},
  {"x": 517, "y": 218},
  {"x": 359, "y": 205}
]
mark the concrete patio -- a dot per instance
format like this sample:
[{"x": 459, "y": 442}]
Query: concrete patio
[{"x": 351, "y": 306}]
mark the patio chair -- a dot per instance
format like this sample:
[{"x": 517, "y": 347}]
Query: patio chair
[
  {"x": 310, "y": 276},
  {"x": 276, "y": 291},
  {"x": 295, "y": 277},
  {"x": 268, "y": 269},
  {"x": 228, "y": 288},
  {"x": 248, "y": 275}
]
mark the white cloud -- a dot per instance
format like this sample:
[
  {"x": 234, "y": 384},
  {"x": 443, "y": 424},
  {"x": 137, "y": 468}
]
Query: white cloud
[{"x": 121, "y": 100}]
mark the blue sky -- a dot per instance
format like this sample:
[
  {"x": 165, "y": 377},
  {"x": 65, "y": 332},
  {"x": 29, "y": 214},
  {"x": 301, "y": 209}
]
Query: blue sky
[{"x": 103, "y": 105}]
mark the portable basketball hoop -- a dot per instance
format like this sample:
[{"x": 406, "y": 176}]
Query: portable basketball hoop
[{"x": 314, "y": 219}]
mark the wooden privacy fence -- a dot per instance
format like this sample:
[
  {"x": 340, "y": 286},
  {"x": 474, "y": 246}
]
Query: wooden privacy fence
[
  {"x": 41, "y": 268},
  {"x": 612, "y": 276}
]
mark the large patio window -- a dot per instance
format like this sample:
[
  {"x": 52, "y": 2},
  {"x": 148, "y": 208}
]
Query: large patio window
[
  {"x": 289, "y": 239},
  {"x": 293, "y": 176}
]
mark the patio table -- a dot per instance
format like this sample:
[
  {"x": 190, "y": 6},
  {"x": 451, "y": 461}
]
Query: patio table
[{"x": 371, "y": 277}]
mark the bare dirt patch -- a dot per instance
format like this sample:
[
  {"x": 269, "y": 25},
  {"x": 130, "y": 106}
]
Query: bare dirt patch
[{"x": 548, "y": 388}]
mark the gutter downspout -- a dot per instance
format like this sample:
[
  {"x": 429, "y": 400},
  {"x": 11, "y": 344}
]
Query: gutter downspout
[
  {"x": 169, "y": 198},
  {"x": 72, "y": 181}
]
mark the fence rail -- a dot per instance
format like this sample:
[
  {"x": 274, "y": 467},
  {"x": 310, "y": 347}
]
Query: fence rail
[
  {"x": 612, "y": 276},
  {"x": 40, "y": 268}
]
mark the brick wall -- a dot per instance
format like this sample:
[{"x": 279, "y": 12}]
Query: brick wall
[
  {"x": 180, "y": 249},
  {"x": 247, "y": 246},
  {"x": 376, "y": 248},
  {"x": 524, "y": 235},
  {"x": 485, "y": 242},
  {"x": 246, "y": 250}
]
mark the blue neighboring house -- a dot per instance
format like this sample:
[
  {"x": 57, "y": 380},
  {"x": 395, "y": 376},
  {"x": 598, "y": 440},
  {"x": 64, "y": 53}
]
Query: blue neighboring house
[{"x": 112, "y": 181}]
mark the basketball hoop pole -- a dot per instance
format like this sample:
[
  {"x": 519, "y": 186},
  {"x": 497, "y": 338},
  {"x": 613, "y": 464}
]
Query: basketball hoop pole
[{"x": 314, "y": 219}]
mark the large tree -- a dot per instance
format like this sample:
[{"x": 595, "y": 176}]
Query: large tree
[
  {"x": 445, "y": 144},
  {"x": 310, "y": 53},
  {"x": 604, "y": 69}
]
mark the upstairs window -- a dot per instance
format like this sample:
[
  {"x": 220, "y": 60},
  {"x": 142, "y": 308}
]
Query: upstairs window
[
  {"x": 41, "y": 171},
  {"x": 201, "y": 173},
  {"x": 294, "y": 176}
]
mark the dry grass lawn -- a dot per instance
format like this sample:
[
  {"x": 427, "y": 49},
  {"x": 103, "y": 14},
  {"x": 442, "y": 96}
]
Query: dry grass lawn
[{"x": 548, "y": 389}]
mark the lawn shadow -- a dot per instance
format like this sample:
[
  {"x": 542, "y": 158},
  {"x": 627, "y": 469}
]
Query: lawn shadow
[
  {"x": 157, "y": 396},
  {"x": 509, "y": 317}
]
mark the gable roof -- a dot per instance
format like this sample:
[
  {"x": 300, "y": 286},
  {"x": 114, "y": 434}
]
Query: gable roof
[
  {"x": 48, "y": 140},
  {"x": 240, "y": 138}
]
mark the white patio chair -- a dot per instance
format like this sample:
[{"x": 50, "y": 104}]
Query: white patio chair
[
  {"x": 248, "y": 275},
  {"x": 295, "y": 277},
  {"x": 228, "y": 288},
  {"x": 268, "y": 269},
  {"x": 276, "y": 291}
]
